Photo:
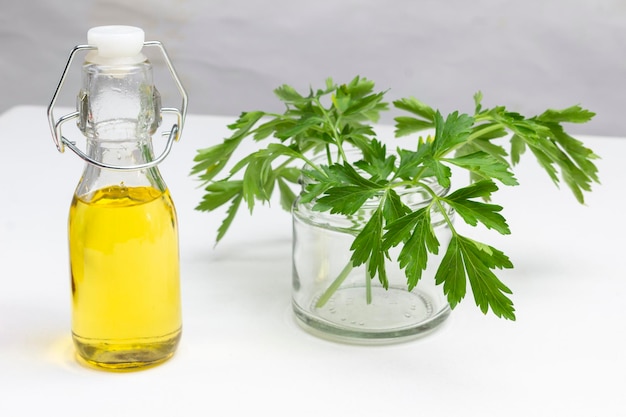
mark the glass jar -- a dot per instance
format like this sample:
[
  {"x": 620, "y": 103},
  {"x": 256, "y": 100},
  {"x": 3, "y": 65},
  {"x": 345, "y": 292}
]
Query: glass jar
[{"x": 334, "y": 300}]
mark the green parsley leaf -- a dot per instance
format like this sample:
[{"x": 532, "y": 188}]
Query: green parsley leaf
[
  {"x": 573, "y": 114},
  {"x": 413, "y": 105},
  {"x": 347, "y": 199},
  {"x": 449, "y": 133},
  {"x": 230, "y": 215},
  {"x": 484, "y": 165},
  {"x": 393, "y": 207},
  {"x": 367, "y": 248},
  {"x": 219, "y": 193},
  {"x": 467, "y": 261},
  {"x": 408, "y": 125},
  {"x": 288, "y": 94},
  {"x": 210, "y": 161},
  {"x": 475, "y": 211},
  {"x": 417, "y": 233}
]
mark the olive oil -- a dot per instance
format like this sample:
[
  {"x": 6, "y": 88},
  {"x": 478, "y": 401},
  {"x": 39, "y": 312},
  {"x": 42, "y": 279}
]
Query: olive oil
[{"x": 125, "y": 277}]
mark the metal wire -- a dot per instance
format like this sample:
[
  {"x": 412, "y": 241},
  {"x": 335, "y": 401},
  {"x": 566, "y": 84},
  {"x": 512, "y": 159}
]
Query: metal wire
[{"x": 173, "y": 135}]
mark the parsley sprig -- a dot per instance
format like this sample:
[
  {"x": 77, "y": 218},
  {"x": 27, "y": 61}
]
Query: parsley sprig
[{"x": 332, "y": 121}]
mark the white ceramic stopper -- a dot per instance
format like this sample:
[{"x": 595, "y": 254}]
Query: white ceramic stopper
[{"x": 116, "y": 42}]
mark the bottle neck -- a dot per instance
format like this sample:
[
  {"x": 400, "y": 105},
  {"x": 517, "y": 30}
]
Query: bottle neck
[
  {"x": 118, "y": 102},
  {"x": 119, "y": 112}
]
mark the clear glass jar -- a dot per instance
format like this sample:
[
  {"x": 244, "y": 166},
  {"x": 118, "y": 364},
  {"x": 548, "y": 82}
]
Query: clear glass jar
[{"x": 360, "y": 309}]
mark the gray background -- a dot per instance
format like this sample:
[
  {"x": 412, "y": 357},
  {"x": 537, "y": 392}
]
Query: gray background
[{"x": 528, "y": 55}]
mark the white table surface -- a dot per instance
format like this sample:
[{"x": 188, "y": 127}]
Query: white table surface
[{"x": 241, "y": 350}]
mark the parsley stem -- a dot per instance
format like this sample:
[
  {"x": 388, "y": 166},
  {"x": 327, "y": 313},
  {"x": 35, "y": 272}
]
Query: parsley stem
[
  {"x": 334, "y": 129},
  {"x": 334, "y": 286},
  {"x": 368, "y": 283},
  {"x": 444, "y": 213},
  {"x": 312, "y": 165},
  {"x": 435, "y": 199},
  {"x": 480, "y": 132}
]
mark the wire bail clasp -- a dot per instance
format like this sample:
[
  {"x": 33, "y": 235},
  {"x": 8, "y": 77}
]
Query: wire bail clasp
[{"x": 173, "y": 135}]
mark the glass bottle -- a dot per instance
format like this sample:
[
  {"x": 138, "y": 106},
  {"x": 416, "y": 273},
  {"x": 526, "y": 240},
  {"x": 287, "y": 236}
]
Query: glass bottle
[{"x": 123, "y": 237}]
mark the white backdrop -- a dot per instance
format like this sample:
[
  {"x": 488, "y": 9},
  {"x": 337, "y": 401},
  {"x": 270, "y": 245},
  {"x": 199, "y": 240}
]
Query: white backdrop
[{"x": 231, "y": 54}]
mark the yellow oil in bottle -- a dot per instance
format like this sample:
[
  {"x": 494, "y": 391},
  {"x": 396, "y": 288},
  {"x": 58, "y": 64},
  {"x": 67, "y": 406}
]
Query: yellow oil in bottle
[{"x": 125, "y": 277}]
